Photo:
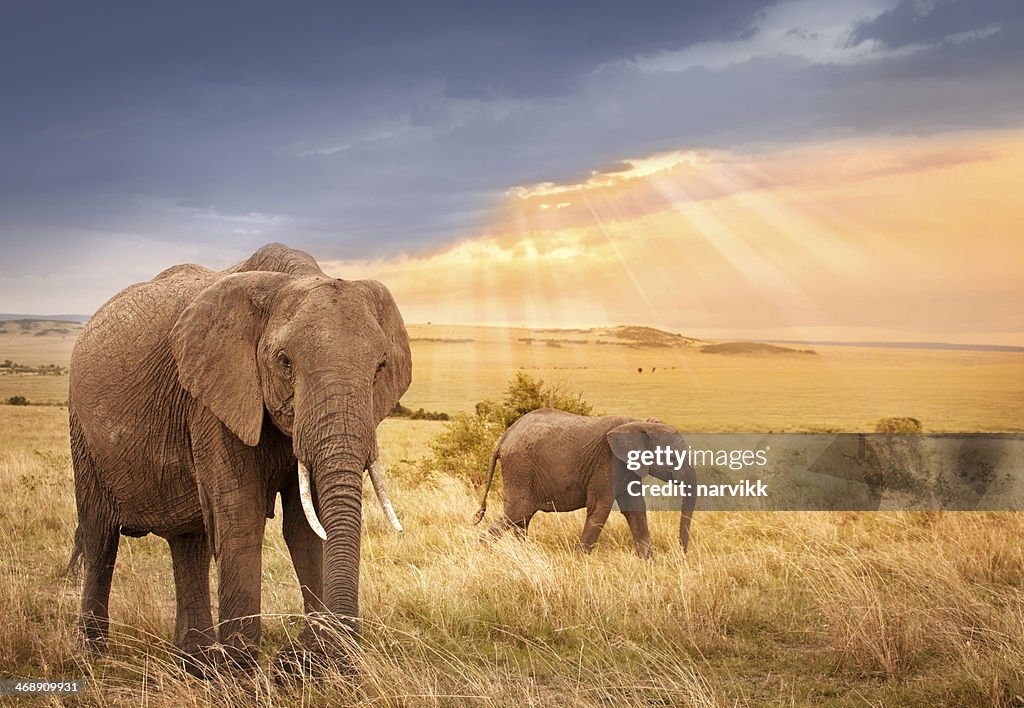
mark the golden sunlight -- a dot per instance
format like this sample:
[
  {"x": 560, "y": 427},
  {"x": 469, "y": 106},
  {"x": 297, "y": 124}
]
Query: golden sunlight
[{"x": 845, "y": 240}]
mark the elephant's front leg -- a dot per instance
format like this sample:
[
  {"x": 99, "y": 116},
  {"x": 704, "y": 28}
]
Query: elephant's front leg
[
  {"x": 307, "y": 553},
  {"x": 233, "y": 496},
  {"x": 239, "y": 522},
  {"x": 635, "y": 511},
  {"x": 306, "y": 550},
  {"x": 193, "y": 630}
]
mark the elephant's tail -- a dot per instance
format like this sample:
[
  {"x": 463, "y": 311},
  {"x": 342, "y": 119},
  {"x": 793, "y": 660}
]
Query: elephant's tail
[
  {"x": 495, "y": 456},
  {"x": 75, "y": 564}
]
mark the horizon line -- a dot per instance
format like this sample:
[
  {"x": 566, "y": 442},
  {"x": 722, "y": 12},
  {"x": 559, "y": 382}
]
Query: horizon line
[{"x": 880, "y": 343}]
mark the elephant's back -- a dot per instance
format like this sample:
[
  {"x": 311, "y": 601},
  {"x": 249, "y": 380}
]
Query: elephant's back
[
  {"x": 126, "y": 330},
  {"x": 125, "y": 394},
  {"x": 545, "y": 430},
  {"x": 557, "y": 439}
]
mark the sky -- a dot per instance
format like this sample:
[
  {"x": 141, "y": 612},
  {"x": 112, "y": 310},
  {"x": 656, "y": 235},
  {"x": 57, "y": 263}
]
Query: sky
[{"x": 787, "y": 169}]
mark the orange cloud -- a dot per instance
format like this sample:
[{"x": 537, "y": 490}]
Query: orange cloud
[{"x": 908, "y": 238}]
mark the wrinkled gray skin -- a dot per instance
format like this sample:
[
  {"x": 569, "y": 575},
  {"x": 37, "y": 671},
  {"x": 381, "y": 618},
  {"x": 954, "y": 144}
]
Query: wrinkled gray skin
[
  {"x": 193, "y": 397},
  {"x": 556, "y": 461}
]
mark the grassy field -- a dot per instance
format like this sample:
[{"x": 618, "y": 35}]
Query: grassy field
[
  {"x": 839, "y": 388},
  {"x": 793, "y": 608}
]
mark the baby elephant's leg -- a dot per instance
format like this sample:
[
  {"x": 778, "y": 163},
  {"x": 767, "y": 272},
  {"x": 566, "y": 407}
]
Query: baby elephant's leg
[
  {"x": 496, "y": 529},
  {"x": 637, "y": 520},
  {"x": 597, "y": 513},
  {"x": 635, "y": 511},
  {"x": 516, "y": 517}
]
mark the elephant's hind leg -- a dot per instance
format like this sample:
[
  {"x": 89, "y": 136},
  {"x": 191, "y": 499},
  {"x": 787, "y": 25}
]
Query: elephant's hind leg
[
  {"x": 497, "y": 529},
  {"x": 193, "y": 628},
  {"x": 96, "y": 542},
  {"x": 597, "y": 514},
  {"x": 518, "y": 522},
  {"x": 99, "y": 552}
]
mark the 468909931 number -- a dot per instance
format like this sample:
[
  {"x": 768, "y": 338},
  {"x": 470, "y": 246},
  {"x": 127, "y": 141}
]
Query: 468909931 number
[{"x": 35, "y": 687}]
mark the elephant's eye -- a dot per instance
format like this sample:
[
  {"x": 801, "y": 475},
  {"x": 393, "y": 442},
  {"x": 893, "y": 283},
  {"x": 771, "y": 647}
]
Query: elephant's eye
[
  {"x": 284, "y": 361},
  {"x": 382, "y": 365}
]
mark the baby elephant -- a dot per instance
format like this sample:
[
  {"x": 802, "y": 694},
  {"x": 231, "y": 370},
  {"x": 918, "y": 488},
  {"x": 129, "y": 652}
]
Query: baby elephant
[{"x": 556, "y": 461}]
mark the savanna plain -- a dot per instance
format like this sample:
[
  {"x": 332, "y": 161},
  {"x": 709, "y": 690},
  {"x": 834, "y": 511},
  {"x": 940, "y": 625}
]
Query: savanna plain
[{"x": 808, "y": 608}]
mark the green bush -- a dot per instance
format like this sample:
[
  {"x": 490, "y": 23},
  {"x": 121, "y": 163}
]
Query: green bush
[
  {"x": 17, "y": 401},
  {"x": 464, "y": 449}
]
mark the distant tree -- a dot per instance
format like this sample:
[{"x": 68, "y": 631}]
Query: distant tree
[
  {"x": 400, "y": 411},
  {"x": 17, "y": 401}
]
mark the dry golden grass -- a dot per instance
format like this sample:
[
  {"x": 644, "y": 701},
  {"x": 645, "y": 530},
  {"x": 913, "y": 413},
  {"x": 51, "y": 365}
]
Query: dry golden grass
[
  {"x": 843, "y": 388},
  {"x": 795, "y": 608},
  {"x": 19, "y": 341}
]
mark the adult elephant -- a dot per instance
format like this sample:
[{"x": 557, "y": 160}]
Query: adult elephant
[
  {"x": 197, "y": 397},
  {"x": 557, "y": 461}
]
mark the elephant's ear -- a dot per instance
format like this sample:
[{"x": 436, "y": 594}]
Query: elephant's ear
[
  {"x": 629, "y": 437},
  {"x": 662, "y": 435},
  {"x": 214, "y": 344},
  {"x": 394, "y": 380}
]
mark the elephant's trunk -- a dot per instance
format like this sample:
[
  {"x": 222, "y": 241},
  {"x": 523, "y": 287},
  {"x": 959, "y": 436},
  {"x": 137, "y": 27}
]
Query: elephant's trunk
[
  {"x": 339, "y": 493},
  {"x": 334, "y": 442},
  {"x": 689, "y": 502},
  {"x": 379, "y": 486}
]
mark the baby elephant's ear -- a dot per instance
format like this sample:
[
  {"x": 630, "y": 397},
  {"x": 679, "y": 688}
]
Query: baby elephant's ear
[{"x": 631, "y": 437}]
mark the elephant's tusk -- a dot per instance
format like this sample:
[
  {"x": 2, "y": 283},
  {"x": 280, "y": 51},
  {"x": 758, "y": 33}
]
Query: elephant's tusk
[
  {"x": 307, "y": 503},
  {"x": 382, "y": 495}
]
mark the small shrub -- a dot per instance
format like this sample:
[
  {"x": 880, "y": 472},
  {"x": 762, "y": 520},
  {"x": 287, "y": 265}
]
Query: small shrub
[
  {"x": 525, "y": 394},
  {"x": 898, "y": 425},
  {"x": 17, "y": 401},
  {"x": 464, "y": 449}
]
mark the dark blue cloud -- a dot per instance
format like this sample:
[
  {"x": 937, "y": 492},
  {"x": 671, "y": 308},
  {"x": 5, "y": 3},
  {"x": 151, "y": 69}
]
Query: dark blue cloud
[
  {"x": 912, "y": 22},
  {"x": 478, "y": 48},
  {"x": 326, "y": 112},
  {"x": 372, "y": 129}
]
